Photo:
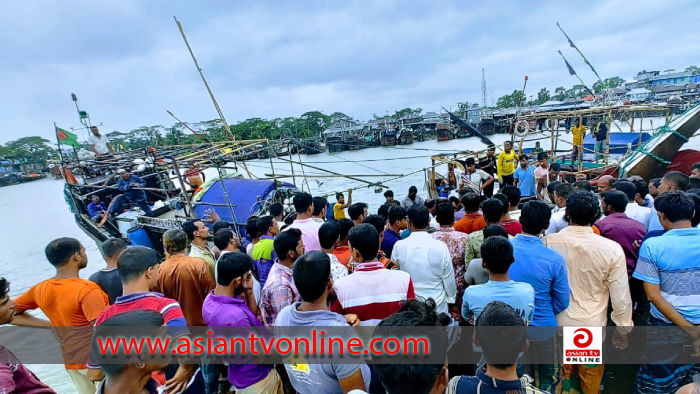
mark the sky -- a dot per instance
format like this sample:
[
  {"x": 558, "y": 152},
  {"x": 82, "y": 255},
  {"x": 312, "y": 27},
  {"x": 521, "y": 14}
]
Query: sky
[{"x": 126, "y": 61}]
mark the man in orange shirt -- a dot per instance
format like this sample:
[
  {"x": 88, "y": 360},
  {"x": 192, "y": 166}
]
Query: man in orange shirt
[
  {"x": 342, "y": 251},
  {"x": 67, "y": 301},
  {"x": 472, "y": 220}
]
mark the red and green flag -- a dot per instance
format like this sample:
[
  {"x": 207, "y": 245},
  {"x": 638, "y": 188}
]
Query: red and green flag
[{"x": 67, "y": 138}]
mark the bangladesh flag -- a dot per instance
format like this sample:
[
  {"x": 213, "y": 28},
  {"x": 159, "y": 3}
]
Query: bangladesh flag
[{"x": 67, "y": 138}]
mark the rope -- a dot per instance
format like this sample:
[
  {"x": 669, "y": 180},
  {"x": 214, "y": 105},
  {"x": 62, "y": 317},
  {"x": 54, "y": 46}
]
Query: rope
[{"x": 653, "y": 156}]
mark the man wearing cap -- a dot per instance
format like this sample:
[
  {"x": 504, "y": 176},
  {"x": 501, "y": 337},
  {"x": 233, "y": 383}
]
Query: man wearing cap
[{"x": 126, "y": 183}]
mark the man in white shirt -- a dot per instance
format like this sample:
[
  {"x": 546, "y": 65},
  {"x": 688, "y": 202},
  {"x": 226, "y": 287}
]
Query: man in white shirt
[
  {"x": 99, "y": 143},
  {"x": 634, "y": 210},
  {"x": 474, "y": 179},
  {"x": 558, "y": 221},
  {"x": 427, "y": 260}
]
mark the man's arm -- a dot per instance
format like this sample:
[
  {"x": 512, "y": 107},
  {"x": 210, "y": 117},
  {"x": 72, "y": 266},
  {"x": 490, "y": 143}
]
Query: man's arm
[
  {"x": 354, "y": 382},
  {"x": 448, "y": 277},
  {"x": 560, "y": 292},
  {"x": 484, "y": 184},
  {"x": 618, "y": 286},
  {"x": 499, "y": 168},
  {"x": 653, "y": 292},
  {"x": 139, "y": 181},
  {"x": 349, "y": 200},
  {"x": 27, "y": 320},
  {"x": 95, "y": 150}
]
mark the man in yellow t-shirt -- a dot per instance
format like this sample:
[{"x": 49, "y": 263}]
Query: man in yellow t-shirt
[
  {"x": 507, "y": 161},
  {"x": 339, "y": 207},
  {"x": 578, "y": 131}
]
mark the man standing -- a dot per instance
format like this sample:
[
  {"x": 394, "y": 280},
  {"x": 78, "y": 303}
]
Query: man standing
[
  {"x": 397, "y": 223},
  {"x": 558, "y": 220},
  {"x": 542, "y": 175},
  {"x": 96, "y": 208},
  {"x": 371, "y": 292},
  {"x": 184, "y": 279},
  {"x": 525, "y": 178},
  {"x": 99, "y": 143},
  {"x": 507, "y": 161},
  {"x": 198, "y": 234},
  {"x": 67, "y": 301},
  {"x": 545, "y": 270},
  {"x": 643, "y": 197},
  {"x": 312, "y": 275},
  {"x": 673, "y": 180},
  {"x": 654, "y": 187},
  {"x": 339, "y": 207},
  {"x": 456, "y": 243},
  {"x": 126, "y": 183},
  {"x": 277, "y": 211},
  {"x": 668, "y": 266},
  {"x": 342, "y": 251},
  {"x": 597, "y": 276},
  {"x": 472, "y": 220},
  {"x": 452, "y": 178},
  {"x": 633, "y": 210},
  {"x": 231, "y": 305},
  {"x": 578, "y": 131},
  {"x": 264, "y": 251},
  {"x": 412, "y": 199},
  {"x": 619, "y": 227},
  {"x": 226, "y": 241},
  {"x": 388, "y": 196},
  {"x": 320, "y": 210},
  {"x": 493, "y": 211},
  {"x": 600, "y": 132},
  {"x": 476, "y": 180},
  {"x": 488, "y": 164},
  {"x": 279, "y": 290},
  {"x": 304, "y": 205},
  {"x": 358, "y": 212},
  {"x": 427, "y": 260},
  {"x": 328, "y": 235},
  {"x": 108, "y": 278}
]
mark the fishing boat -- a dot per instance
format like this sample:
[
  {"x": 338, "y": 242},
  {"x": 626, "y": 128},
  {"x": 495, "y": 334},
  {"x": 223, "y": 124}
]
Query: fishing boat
[
  {"x": 387, "y": 136},
  {"x": 404, "y": 136},
  {"x": 444, "y": 132},
  {"x": 312, "y": 146}
]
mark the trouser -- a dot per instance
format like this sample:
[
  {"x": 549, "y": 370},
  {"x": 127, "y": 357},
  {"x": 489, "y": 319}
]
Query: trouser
[
  {"x": 82, "y": 384},
  {"x": 120, "y": 201},
  {"x": 272, "y": 384},
  {"x": 600, "y": 149},
  {"x": 508, "y": 180},
  {"x": 575, "y": 154},
  {"x": 581, "y": 378},
  {"x": 488, "y": 190},
  {"x": 546, "y": 375}
]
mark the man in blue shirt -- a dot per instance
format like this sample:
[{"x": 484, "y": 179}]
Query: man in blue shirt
[
  {"x": 525, "y": 178},
  {"x": 673, "y": 180},
  {"x": 126, "y": 183},
  {"x": 545, "y": 270},
  {"x": 96, "y": 207}
]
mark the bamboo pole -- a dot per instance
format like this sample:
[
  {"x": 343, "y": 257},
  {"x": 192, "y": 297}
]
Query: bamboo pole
[{"x": 607, "y": 142}]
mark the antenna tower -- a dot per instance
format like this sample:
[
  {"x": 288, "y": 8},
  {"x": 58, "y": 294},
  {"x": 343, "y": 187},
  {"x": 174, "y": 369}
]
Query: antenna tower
[{"x": 483, "y": 89}]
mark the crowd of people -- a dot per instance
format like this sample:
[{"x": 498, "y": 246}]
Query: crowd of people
[{"x": 624, "y": 256}]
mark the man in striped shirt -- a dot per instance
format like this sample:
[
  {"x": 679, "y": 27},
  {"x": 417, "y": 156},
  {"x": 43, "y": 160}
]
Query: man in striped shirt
[{"x": 371, "y": 292}]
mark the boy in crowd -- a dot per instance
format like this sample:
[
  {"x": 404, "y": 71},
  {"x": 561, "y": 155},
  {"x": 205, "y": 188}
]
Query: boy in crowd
[
  {"x": 472, "y": 220},
  {"x": 304, "y": 205},
  {"x": 264, "y": 252},
  {"x": 328, "y": 235},
  {"x": 342, "y": 250},
  {"x": 525, "y": 177},
  {"x": 108, "y": 278},
  {"x": 279, "y": 290},
  {"x": 493, "y": 210},
  {"x": 358, "y": 212},
  {"x": 512, "y": 226},
  {"x": 379, "y": 224}
]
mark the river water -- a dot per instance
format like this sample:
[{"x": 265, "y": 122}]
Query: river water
[{"x": 35, "y": 213}]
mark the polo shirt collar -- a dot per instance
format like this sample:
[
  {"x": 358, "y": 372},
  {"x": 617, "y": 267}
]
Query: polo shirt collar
[
  {"x": 506, "y": 385},
  {"x": 267, "y": 237},
  {"x": 224, "y": 299},
  {"x": 528, "y": 238},
  {"x": 136, "y": 296},
  {"x": 369, "y": 266}
]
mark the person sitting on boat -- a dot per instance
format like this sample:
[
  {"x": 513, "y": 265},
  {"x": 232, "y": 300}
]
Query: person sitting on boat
[
  {"x": 97, "y": 209},
  {"x": 537, "y": 149},
  {"x": 475, "y": 179},
  {"x": 126, "y": 183},
  {"x": 99, "y": 143}
]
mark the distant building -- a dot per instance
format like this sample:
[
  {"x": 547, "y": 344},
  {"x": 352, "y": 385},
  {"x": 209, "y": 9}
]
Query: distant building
[
  {"x": 474, "y": 115},
  {"x": 671, "y": 78},
  {"x": 638, "y": 94},
  {"x": 343, "y": 125},
  {"x": 619, "y": 92}
]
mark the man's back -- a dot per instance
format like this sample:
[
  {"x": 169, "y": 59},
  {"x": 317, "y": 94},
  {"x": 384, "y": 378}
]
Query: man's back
[
  {"x": 188, "y": 281},
  {"x": 309, "y": 233},
  {"x": 625, "y": 231},
  {"x": 470, "y": 223},
  {"x": 482, "y": 384},
  {"x": 110, "y": 282},
  {"x": 519, "y": 295},
  {"x": 597, "y": 272},
  {"x": 639, "y": 213}
]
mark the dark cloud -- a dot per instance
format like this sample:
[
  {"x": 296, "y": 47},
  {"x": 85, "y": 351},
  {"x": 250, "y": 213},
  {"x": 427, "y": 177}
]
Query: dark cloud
[{"x": 127, "y": 63}]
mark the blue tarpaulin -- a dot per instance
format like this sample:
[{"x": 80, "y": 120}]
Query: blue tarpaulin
[
  {"x": 619, "y": 142},
  {"x": 244, "y": 194}
]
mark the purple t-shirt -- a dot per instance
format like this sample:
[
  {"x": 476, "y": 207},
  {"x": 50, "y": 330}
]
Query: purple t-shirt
[
  {"x": 623, "y": 230},
  {"x": 224, "y": 315}
]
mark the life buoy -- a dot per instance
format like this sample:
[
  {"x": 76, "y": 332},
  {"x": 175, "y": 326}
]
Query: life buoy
[{"x": 522, "y": 127}]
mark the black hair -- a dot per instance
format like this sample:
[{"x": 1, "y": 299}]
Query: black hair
[
  {"x": 656, "y": 182},
  {"x": 445, "y": 214},
  {"x": 251, "y": 227},
  {"x": 135, "y": 318},
  {"x": 626, "y": 187},
  {"x": 507, "y": 143},
  {"x": 678, "y": 178},
  {"x": 365, "y": 239},
  {"x": 695, "y": 195},
  {"x": 495, "y": 230},
  {"x": 563, "y": 189},
  {"x": 222, "y": 238},
  {"x": 504, "y": 202},
  {"x": 431, "y": 203},
  {"x": 383, "y": 211},
  {"x": 276, "y": 209},
  {"x": 534, "y": 217},
  {"x": 189, "y": 227},
  {"x": 376, "y": 221},
  {"x": 542, "y": 156},
  {"x": 328, "y": 234},
  {"x": 319, "y": 204},
  {"x": 454, "y": 200},
  {"x": 583, "y": 185},
  {"x": 113, "y": 247},
  {"x": 218, "y": 225},
  {"x": 4, "y": 288},
  {"x": 311, "y": 274},
  {"x": 396, "y": 214},
  {"x": 642, "y": 187},
  {"x": 693, "y": 183},
  {"x": 413, "y": 189},
  {"x": 286, "y": 241},
  {"x": 552, "y": 185},
  {"x": 493, "y": 210},
  {"x": 582, "y": 207},
  {"x": 302, "y": 202},
  {"x": 695, "y": 166},
  {"x": 524, "y": 156},
  {"x": 470, "y": 161},
  {"x": 497, "y": 254},
  {"x": 345, "y": 226},
  {"x": 174, "y": 240},
  {"x": 555, "y": 167},
  {"x": 617, "y": 200},
  {"x": 356, "y": 210},
  {"x": 60, "y": 250},
  {"x": 389, "y": 193},
  {"x": 338, "y": 195},
  {"x": 400, "y": 378},
  {"x": 513, "y": 194},
  {"x": 676, "y": 205},
  {"x": 264, "y": 223},
  {"x": 231, "y": 266},
  {"x": 136, "y": 260},
  {"x": 497, "y": 340},
  {"x": 419, "y": 216},
  {"x": 471, "y": 202}
]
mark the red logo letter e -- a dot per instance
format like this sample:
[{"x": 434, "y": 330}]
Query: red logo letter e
[{"x": 583, "y": 339}]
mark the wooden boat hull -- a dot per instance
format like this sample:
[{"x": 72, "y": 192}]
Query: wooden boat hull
[
  {"x": 388, "y": 140},
  {"x": 445, "y": 135},
  {"x": 405, "y": 139}
]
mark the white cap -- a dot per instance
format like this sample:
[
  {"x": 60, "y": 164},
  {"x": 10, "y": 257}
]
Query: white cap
[{"x": 121, "y": 170}]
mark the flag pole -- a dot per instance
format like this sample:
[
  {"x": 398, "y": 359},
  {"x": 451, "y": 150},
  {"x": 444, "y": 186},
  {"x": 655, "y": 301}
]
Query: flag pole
[
  {"x": 58, "y": 142},
  {"x": 574, "y": 73},
  {"x": 571, "y": 43}
]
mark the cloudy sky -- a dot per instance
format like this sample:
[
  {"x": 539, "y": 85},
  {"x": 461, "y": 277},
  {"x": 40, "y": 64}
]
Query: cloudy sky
[{"x": 127, "y": 63}]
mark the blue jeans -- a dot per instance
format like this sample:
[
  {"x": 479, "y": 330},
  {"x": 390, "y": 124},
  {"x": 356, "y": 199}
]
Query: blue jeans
[
  {"x": 121, "y": 200},
  {"x": 600, "y": 149}
]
